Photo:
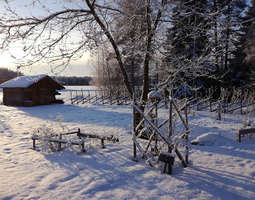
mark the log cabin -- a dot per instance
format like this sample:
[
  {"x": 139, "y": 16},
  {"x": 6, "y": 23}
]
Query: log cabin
[{"x": 30, "y": 91}]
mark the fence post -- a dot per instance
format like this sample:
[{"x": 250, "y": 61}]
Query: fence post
[
  {"x": 33, "y": 143},
  {"x": 134, "y": 132},
  {"x": 82, "y": 95},
  {"x": 89, "y": 95},
  {"x": 186, "y": 133},
  {"x": 241, "y": 108},
  {"x": 71, "y": 96},
  {"x": 156, "y": 124},
  {"x": 219, "y": 111},
  {"x": 170, "y": 125},
  {"x": 59, "y": 144}
]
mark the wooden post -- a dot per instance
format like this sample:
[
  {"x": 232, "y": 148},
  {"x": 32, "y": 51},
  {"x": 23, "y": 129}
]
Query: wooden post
[
  {"x": 186, "y": 113},
  {"x": 219, "y": 111},
  {"x": 83, "y": 147},
  {"x": 134, "y": 132},
  {"x": 186, "y": 134},
  {"x": 170, "y": 125},
  {"x": 82, "y": 97},
  {"x": 59, "y": 144},
  {"x": 33, "y": 143},
  {"x": 96, "y": 96},
  {"x": 241, "y": 108},
  {"x": 71, "y": 96},
  {"x": 184, "y": 164},
  {"x": 170, "y": 128},
  {"x": 156, "y": 124},
  {"x": 76, "y": 92},
  {"x": 102, "y": 143},
  {"x": 110, "y": 97},
  {"x": 89, "y": 95},
  {"x": 103, "y": 95},
  {"x": 239, "y": 137}
]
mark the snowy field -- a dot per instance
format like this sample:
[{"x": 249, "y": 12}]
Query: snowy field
[{"x": 221, "y": 169}]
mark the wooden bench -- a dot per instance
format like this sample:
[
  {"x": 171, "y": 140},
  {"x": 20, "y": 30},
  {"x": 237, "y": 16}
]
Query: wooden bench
[
  {"x": 243, "y": 132},
  {"x": 102, "y": 138},
  {"x": 59, "y": 141}
]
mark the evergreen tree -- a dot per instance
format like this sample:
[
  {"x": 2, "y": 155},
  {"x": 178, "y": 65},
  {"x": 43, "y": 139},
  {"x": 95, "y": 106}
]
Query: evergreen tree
[
  {"x": 6, "y": 74},
  {"x": 240, "y": 66},
  {"x": 230, "y": 29},
  {"x": 187, "y": 42},
  {"x": 249, "y": 41}
]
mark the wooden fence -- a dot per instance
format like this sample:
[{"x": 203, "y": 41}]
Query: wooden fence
[
  {"x": 146, "y": 126},
  {"x": 99, "y": 97}
]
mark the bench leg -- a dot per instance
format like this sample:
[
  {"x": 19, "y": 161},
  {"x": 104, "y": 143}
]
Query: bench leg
[
  {"x": 83, "y": 148},
  {"x": 169, "y": 168},
  {"x": 102, "y": 143},
  {"x": 34, "y": 144},
  {"x": 59, "y": 146},
  {"x": 165, "y": 165}
]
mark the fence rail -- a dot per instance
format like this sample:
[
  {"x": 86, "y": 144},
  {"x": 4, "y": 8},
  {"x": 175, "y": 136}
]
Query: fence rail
[{"x": 99, "y": 97}]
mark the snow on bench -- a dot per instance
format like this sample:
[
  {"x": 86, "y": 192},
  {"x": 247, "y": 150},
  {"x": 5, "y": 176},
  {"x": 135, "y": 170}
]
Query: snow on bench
[{"x": 59, "y": 141}]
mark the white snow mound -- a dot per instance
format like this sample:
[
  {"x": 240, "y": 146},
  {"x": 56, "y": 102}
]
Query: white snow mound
[
  {"x": 154, "y": 95},
  {"x": 210, "y": 139}
]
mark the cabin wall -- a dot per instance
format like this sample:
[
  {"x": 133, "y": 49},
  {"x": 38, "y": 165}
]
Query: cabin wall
[
  {"x": 13, "y": 96},
  {"x": 43, "y": 93},
  {"x": 40, "y": 93}
]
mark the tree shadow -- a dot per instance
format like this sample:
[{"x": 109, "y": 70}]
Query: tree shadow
[
  {"x": 220, "y": 184},
  {"x": 96, "y": 115}
]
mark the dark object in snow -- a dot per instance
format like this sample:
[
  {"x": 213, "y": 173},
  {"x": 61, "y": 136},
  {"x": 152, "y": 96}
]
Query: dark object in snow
[
  {"x": 81, "y": 136},
  {"x": 58, "y": 141},
  {"x": 168, "y": 160},
  {"x": 59, "y": 101},
  {"x": 111, "y": 138},
  {"x": 243, "y": 132},
  {"x": 195, "y": 143},
  {"x": 30, "y": 91}
]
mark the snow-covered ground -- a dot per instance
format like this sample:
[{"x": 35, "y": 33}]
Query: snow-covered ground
[{"x": 221, "y": 169}]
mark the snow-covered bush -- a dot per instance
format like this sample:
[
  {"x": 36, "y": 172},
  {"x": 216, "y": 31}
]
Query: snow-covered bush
[
  {"x": 50, "y": 130},
  {"x": 46, "y": 132}
]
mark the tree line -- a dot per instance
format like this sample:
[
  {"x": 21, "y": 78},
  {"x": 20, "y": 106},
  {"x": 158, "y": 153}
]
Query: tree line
[
  {"x": 73, "y": 80},
  {"x": 166, "y": 44},
  {"x": 7, "y": 74}
]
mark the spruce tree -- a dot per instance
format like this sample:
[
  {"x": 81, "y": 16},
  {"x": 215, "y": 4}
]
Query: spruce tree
[
  {"x": 249, "y": 41},
  {"x": 241, "y": 64},
  {"x": 187, "y": 42}
]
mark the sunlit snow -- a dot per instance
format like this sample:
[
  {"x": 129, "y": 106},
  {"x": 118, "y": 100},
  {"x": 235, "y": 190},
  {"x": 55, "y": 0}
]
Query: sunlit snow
[{"x": 224, "y": 169}]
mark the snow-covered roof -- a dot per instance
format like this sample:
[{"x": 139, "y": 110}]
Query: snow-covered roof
[{"x": 22, "y": 81}]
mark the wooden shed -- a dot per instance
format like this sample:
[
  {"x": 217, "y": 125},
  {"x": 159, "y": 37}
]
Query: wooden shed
[{"x": 30, "y": 91}]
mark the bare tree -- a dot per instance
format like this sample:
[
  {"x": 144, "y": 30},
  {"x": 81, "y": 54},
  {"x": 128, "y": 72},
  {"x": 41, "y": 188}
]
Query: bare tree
[{"x": 59, "y": 35}]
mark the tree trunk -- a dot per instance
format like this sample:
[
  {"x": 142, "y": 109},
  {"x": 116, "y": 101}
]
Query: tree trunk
[
  {"x": 114, "y": 46},
  {"x": 215, "y": 18},
  {"x": 147, "y": 54},
  {"x": 227, "y": 37}
]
